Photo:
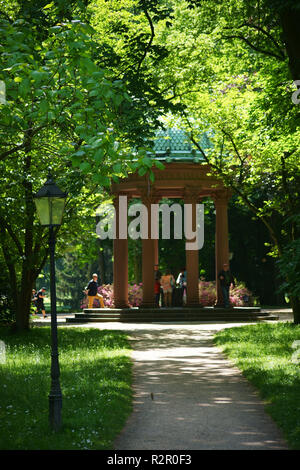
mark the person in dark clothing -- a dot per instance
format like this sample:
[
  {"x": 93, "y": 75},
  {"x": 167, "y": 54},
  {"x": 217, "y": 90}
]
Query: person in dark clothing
[
  {"x": 181, "y": 282},
  {"x": 92, "y": 291},
  {"x": 226, "y": 279},
  {"x": 157, "y": 289},
  {"x": 40, "y": 301},
  {"x": 34, "y": 299}
]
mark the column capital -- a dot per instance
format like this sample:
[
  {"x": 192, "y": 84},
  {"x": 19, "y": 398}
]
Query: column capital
[{"x": 222, "y": 197}]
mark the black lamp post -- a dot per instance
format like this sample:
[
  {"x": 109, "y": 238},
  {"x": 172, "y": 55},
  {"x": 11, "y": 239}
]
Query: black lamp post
[{"x": 50, "y": 204}]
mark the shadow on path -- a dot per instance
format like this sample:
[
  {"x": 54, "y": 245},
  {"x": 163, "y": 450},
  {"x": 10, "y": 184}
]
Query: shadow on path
[{"x": 189, "y": 396}]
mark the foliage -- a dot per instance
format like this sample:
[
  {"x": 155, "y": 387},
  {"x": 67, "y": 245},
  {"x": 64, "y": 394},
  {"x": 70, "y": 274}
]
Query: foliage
[
  {"x": 68, "y": 107},
  {"x": 89, "y": 82},
  {"x": 55, "y": 93},
  {"x": 289, "y": 265},
  {"x": 6, "y": 310},
  {"x": 237, "y": 89},
  {"x": 95, "y": 381},
  {"x": 273, "y": 371}
]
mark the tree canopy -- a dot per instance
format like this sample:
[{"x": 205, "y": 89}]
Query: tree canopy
[{"x": 88, "y": 82}]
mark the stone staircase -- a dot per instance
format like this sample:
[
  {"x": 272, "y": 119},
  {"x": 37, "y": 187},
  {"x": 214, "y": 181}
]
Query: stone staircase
[{"x": 174, "y": 314}]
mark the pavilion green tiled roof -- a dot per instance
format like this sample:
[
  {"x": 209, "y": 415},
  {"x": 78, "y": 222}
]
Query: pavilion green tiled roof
[{"x": 174, "y": 145}]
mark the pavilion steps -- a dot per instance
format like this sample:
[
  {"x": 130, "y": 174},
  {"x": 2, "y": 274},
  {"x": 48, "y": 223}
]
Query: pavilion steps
[{"x": 175, "y": 314}]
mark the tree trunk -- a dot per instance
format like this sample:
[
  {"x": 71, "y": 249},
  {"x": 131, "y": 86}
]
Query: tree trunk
[
  {"x": 23, "y": 307},
  {"x": 24, "y": 298},
  {"x": 295, "y": 302},
  {"x": 290, "y": 20}
]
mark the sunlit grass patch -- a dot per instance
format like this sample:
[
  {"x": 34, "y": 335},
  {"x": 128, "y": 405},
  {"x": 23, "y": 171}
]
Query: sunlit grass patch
[
  {"x": 266, "y": 355},
  {"x": 95, "y": 380}
]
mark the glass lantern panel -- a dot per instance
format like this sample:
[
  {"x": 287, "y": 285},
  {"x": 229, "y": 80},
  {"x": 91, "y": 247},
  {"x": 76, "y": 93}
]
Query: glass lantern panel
[
  {"x": 58, "y": 205},
  {"x": 43, "y": 209}
]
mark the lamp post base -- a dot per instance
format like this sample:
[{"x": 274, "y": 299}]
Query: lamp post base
[{"x": 55, "y": 406}]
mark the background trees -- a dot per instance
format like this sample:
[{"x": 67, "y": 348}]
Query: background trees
[
  {"x": 65, "y": 108},
  {"x": 87, "y": 83},
  {"x": 234, "y": 80}
]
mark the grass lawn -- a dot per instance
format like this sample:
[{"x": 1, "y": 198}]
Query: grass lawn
[
  {"x": 95, "y": 380},
  {"x": 264, "y": 353}
]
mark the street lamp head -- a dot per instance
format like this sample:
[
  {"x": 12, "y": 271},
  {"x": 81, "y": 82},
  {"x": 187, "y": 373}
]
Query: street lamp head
[{"x": 50, "y": 203}]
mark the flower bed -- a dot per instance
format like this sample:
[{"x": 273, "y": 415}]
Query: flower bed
[
  {"x": 135, "y": 296},
  {"x": 240, "y": 296}
]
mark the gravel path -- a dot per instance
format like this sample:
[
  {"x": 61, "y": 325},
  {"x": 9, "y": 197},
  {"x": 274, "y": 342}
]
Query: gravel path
[{"x": 189, "y": 396}]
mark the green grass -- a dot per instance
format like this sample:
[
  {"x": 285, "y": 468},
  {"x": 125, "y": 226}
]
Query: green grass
[
  {"x": 264, "y": 353},
  {"x": 95, "y": 380}
]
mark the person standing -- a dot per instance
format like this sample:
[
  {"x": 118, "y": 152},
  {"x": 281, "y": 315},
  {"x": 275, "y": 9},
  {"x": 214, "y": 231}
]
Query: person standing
[
  {"x": 92, "y": 292},
  {"x": 157, "y": 292},
  {"x": 40, "y": 301},
  {"x": 181, "y": 281},
  {"x": 226, "y": 280},
  {"x": 167, "y": 282}
]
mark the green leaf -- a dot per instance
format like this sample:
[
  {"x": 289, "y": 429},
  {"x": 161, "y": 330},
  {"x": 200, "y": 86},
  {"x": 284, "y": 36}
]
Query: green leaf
[
  {"x": 98, "y": 155},
  {"x": 79, "y": 153},
  {"x": 151, "y": 176},
  {"x": 117, "y": 167},
  {"x": 159, "y": 165},
  {"x": 147, "y": 161},
  {"x": 142, "y": 171},
  {"x": 49, "y": 5},
  {"x": 85, "y": 166}
]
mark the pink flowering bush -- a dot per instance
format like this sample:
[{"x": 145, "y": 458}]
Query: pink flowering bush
[
  {"x": 135, "y": 294},
  {"x": 207, "y": 293},
  {"x": 239, "y": 295},
  {"x": 106, "y": 290}
]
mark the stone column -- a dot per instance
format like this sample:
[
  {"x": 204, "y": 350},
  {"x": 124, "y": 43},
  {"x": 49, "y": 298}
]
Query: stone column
[
  {"x": 149, "y": 256},
  {"x": 120, "y": 257},
  {"x": 221, "y": 241},
  {"x": 156, "y": 252},
  {"x": 192, "y": 255}
]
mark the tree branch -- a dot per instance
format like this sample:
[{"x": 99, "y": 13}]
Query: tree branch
[
  {"x": 150, "y": 40},
  {"x": 236, "y": 189},
  {"x": 257, "y": 49},
  {"x": 13, "y": 236},
  {"x": 265, "y": 33}
]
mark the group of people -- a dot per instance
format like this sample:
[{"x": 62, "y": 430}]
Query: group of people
[
  {"x": 164, "y": 287},
  {"x": 91, "y": 290},
  {"x": 165, "y": 284}
]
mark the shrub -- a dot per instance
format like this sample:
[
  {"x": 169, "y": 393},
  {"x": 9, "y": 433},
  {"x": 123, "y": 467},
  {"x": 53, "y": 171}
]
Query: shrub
[
  {"x": 6, "y": 309},
  {"x": 106, "y": 290},
  {"x": 135, "y": 294},
  {"x": 240, "y": 296}
]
